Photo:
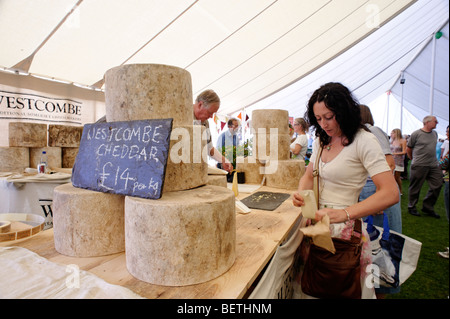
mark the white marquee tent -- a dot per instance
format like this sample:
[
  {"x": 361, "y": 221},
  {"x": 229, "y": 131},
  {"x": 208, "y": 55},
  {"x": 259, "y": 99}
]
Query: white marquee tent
[
  {"x": 373, "y": 68},
  {"x": 253, "y": 53}
]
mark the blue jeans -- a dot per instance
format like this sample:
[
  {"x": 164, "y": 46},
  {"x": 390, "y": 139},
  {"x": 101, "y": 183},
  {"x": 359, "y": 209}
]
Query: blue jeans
[
  {"x": 394, "y": 214},
  {"x": 446, "y": 198}
]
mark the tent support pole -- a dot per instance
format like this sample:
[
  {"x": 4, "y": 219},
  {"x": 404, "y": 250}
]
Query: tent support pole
[
  {"x": 387, "y": 113},
  {"x": 433, "y": 63},
  {"x": 402, "y": 82}
]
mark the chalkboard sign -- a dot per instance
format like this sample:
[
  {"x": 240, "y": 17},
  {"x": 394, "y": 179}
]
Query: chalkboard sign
[{"x": 127, "y": 158}]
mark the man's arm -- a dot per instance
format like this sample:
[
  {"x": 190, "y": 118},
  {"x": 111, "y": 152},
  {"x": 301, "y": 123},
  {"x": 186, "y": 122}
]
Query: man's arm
[
  {"x": 409, "y": 152},
  {"x": 215, "y": 154}
]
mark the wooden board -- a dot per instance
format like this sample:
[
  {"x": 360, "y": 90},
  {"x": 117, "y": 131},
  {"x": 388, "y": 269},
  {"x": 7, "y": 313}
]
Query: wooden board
[
  {"x": 126, "y": 158},
  {"x": 265, "y": 200},
  {"x": 19, "y": 230},
  {"x": 258, "y": 235}
]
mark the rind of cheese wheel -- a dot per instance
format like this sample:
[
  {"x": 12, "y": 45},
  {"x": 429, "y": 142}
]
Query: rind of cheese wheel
[
  {"x": 148, "y": 91},
  {"x": 14, "y": 159},
  {"x": 87, "y": 223},
  {"x": 287, "y": 174},
  {"x": 183, "y": 238}
]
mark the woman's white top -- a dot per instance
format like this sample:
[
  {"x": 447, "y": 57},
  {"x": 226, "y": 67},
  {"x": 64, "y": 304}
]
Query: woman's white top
[
  {"x": 303, "y": 141},
  {"x": 342, "y": 179}
]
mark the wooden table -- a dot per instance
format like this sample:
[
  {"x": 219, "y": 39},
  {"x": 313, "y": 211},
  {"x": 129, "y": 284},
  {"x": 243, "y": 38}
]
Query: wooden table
[{"x": 258, "y": 235}]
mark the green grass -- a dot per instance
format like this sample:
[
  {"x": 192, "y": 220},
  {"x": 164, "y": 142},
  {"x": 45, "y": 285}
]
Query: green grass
[{"x": 431, "y": 278}]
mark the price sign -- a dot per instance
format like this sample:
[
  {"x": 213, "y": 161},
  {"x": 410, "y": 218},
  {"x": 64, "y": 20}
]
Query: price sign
[{"x": 127, "y": 158}]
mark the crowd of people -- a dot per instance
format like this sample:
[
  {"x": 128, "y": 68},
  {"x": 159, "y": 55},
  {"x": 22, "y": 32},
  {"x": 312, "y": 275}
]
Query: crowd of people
[{"x": 360, "y": 168}]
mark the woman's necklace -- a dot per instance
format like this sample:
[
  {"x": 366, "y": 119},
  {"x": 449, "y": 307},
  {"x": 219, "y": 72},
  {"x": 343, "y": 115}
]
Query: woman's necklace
[{"x": 328, "y": 147}]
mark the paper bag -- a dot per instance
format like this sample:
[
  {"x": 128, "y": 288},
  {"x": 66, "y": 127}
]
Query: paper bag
[
  {"x": 320, "y": 234},
  {"x": 310, "y": 208}
]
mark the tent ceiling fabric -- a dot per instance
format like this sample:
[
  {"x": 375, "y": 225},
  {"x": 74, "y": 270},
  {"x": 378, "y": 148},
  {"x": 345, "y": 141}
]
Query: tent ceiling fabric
[
  {"x": 373, "y": 66},
  {"x": 244, "y": 50},
  {"x": 417, "y": 75}
]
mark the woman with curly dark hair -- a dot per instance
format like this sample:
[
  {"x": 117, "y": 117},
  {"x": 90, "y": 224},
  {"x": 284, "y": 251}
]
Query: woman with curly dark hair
[
  {"x": 348, "y": 153},
  {"x": 345, "y": 109}
]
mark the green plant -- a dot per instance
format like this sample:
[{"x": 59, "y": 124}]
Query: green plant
[{"x": 231, "y": 152}]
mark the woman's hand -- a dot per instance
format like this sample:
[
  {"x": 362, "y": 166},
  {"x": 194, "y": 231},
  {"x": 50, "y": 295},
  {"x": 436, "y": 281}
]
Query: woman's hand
[
  {"x": 297, "y": 200},
  {"x": 336, "y": 215}
]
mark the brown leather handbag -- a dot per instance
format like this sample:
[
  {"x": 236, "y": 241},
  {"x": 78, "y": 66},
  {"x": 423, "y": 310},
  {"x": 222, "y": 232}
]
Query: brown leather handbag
[{"x": 338, "y": 275}]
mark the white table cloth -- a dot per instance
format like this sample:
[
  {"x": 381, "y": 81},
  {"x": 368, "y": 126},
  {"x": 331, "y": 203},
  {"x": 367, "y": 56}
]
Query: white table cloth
[{"x": 30, "y": 194}]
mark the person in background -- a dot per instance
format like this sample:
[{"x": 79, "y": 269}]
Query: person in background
[
  {"x": 383, "y": 139},
  {"x": 421, "y": 149},
  {"x": 398, "y": 149},
  {"x": 291, "y": 132},
  {"x": 229, "y": 139},
  {"x": 404, "y": 175},
  {"x": 394, "y": 212},
  {"x": 300, "y": 144},
  {"x": 438, "y": 148},
  {"x": 206, "y": 104},
  {"x": 349, "y": 154},
  {"x": 444, "y": 147},
  {"x": 443, "y": 164}
]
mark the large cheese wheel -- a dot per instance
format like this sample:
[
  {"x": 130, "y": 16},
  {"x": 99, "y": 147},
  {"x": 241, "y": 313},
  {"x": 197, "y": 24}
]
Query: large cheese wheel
[
  {"x": 284, "y": 174},
  {"x": 148, "y": 91},
  {"x": 64, "y": 135},
  {"x": 87, "y": 223},
  {"x": 187, "y": 164},
  {"x": 54, "y": 156},
  {"x": 271, "y": 118},
  {"x": 14, "y": 159},
  {"x": 269, "y": 145},
  {"x": 183, "y": 238},
  {"x": 27, "y": 134},
  {"x": 69, "y": 154},
  {"x": 218, "y": 180},
  {"x": 252, "y": 168}
]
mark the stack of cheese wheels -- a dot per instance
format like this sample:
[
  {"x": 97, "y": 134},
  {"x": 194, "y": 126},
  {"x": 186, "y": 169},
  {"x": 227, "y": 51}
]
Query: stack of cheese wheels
[
  {"x": 271, "y": 141},
  {"x": 187, "y": 236},
  {"x": 154, "y": 91},
  {"x": 271, "y": 134},
  {"x": 27, "y": 141},
  {"x": 22, "y": 137},
  {"x": 252, "y": 168}
]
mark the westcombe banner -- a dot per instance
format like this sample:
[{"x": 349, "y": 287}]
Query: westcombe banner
[
  {"x": 29, "y": 106},
  {"x": 28, "y": 99}
]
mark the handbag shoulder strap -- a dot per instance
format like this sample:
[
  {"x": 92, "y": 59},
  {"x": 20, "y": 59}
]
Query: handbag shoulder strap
[
  {"x": 316, "y": 175},
  {"x": 357, "y": 232}
]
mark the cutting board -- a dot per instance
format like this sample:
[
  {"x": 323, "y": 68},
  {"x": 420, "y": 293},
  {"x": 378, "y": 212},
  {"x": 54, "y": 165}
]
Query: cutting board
[{"x": 265, "y": 200}]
